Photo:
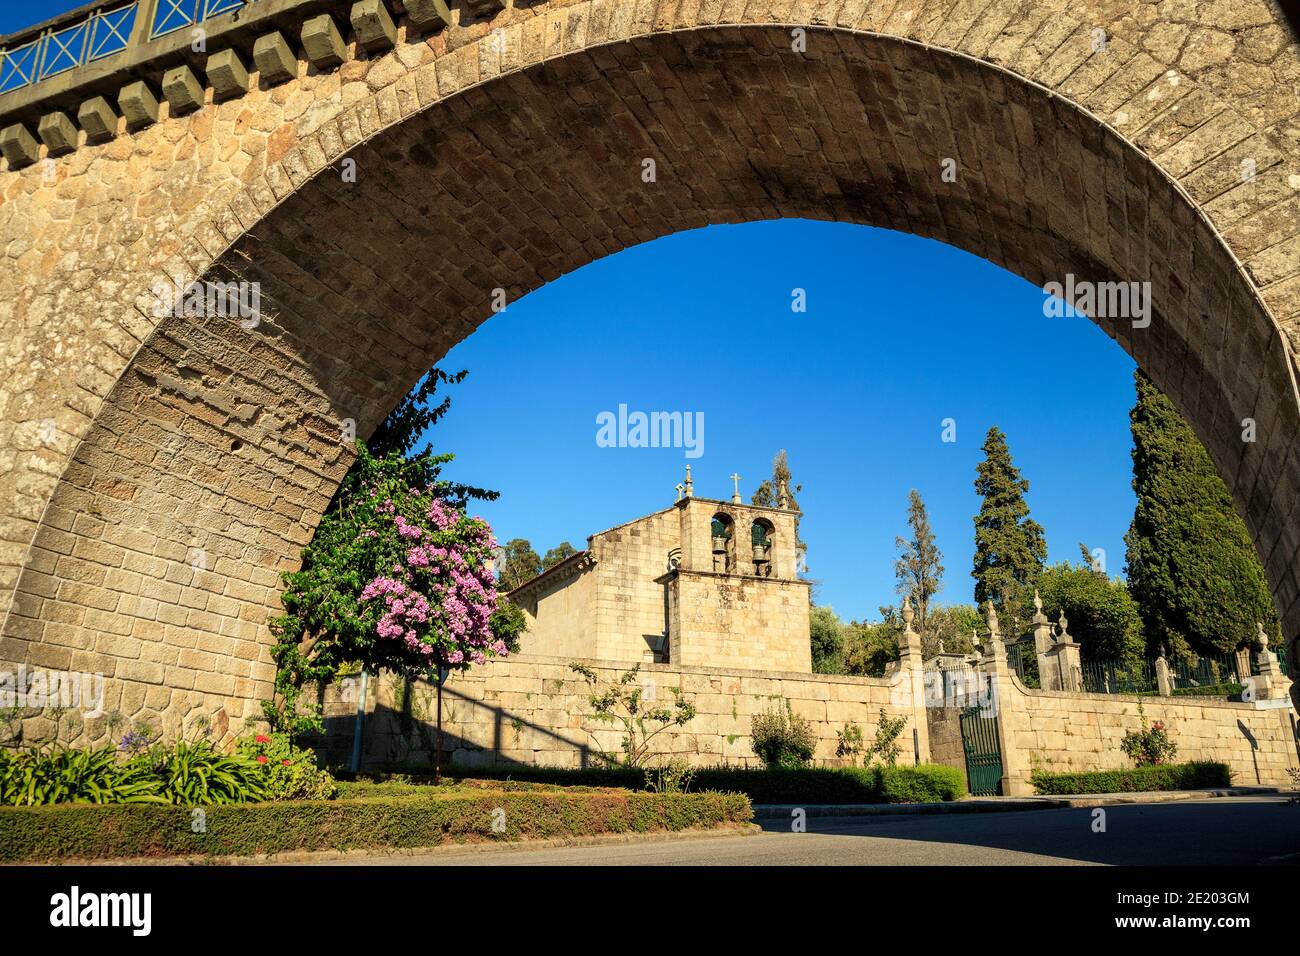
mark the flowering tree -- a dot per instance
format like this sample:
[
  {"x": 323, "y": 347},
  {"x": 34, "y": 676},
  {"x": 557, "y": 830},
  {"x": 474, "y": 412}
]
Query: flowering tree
[{"x": 397, "y": 577}]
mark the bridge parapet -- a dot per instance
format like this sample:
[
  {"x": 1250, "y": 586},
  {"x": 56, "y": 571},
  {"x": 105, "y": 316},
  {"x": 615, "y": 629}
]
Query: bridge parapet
[{"x": 76, "y": 78}]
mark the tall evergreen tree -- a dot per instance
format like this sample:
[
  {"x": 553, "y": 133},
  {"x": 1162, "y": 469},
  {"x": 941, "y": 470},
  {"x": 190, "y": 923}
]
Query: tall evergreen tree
[
  {"x": 1192, "y": 567},
  {"x": 768, "y": 495},
  {"x": 1009, "y": 545},
  {"x": 919, "y": 567}
]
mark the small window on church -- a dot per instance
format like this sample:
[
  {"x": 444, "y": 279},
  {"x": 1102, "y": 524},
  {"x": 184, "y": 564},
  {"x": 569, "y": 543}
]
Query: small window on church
[{"x": 724, "y": 553}]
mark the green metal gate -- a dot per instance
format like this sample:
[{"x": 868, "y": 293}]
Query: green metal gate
[{"x": 979, "y": 739}]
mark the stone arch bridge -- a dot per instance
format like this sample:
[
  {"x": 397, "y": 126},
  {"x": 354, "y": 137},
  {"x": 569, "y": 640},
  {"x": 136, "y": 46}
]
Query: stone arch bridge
[{"x": 380, "y": 167}]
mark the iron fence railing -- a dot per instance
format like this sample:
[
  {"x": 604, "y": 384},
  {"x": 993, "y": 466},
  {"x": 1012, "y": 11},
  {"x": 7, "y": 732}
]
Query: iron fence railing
[
  {"x": 1112, "y": 677},
  {"x": 106, "y": 31}
]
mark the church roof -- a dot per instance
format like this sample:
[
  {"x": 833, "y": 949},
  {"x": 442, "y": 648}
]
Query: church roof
[{"x": 570, "y": 566}]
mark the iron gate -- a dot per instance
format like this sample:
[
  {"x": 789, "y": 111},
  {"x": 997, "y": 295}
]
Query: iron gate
[{"x": 979, "y": 739}]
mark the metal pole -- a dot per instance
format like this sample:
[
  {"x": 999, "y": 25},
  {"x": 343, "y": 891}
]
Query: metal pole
[
  {"x": 361, "y": 718},
  {"x": 437, "y": 759}
]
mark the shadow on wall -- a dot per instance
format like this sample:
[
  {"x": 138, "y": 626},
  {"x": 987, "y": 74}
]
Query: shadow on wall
[{"x": 401, "y": 730}]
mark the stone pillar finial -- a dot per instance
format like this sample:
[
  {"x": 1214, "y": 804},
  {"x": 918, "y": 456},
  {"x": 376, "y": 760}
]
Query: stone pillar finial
[
  {"x": 688, "y": 484},
  {"x": 735, "y": 497},
  {"x": 908, "y": 615},
  {"x": 782, "y": 495},
  {"x": 991, "y": 615},
  {"x": 1263, "y": 637},
  {"x": 1063, "y": 628}
]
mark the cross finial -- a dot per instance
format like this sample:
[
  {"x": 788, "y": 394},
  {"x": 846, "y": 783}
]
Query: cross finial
[{"x": 735, "y": 497}]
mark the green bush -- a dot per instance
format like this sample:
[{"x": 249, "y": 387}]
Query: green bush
[
  {"x": 781, "y": 738},
  {"x": 1178, "y": 776},
  {"x": 1231, "y": 691},
  {"x": 67, "y": 775},
  {"x": 801, "y": 785},
  {"x": 927, "y": 783},
  {"x": 199, "y": 775},
  {"x": 46, "y": 834},
  {"x": 288, "y": 772}
]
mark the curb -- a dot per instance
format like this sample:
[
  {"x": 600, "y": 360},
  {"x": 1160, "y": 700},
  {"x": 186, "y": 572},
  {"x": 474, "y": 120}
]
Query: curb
[
  {"x": 442, "y": 849},
  {"x": 774, "y": 811}
]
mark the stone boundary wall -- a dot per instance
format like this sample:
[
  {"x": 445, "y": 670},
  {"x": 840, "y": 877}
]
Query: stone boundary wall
[
  {"x": 1060, "y": 731},
  {"x": 533, "y": 710}
]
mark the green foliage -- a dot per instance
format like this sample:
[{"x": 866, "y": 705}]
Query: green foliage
[
  {"x": 1009, "y": 545},
  {"x": 518, "y": 563},
  {"x": 288, "y": 772},
  {"x": 781, "y": 738},
  {"x": 623, "y": 702},
  {"x": 926, "y": 783},
  {"x": 508, "y": 624},
  {"x": 826, "y": 633},
  {"x": 325, "y": 625},
  {"x": 200, "y": 775},
  {"x": 1180, "y": 776},
  {"x": 800, "y": 785},
  {"x": 768, "y": 495},
  {"x": 182, "y": 773},
  {"x": 673, "y": 777},
  {"x": 849, "y": 741},
  {"x": 886, "y": 747},
  {"x": 869, "y": 648},
  {"x": 1102, "y": 615},
  {"x": 955, "y": 626},
  {"x": 1151, "y": 747},
  {"x": 1228, "y": 691},
  {"x": 1192, "y": 567},
  {"x": 46, "y": 834},
  {"x": 919, "y": 568},
  {"x": 68, "y": 775},
  {"x": 561, "y": 552}
]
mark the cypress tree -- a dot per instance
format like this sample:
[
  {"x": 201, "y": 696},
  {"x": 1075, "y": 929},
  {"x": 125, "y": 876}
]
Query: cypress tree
[
  {"x": 1009, "y": 546},
  {"x": 1192, "y": 567}
]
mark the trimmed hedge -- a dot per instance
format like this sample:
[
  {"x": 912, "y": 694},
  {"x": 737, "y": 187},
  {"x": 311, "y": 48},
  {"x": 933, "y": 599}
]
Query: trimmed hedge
[
  {"x": 1229, "y": 691},
  {"x": 81, "y": 831},
  {"x": 928, "y": 783},
  {"x": 1175, "y": 776}
]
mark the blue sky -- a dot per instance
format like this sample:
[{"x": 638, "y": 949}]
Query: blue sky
[{"x": 900, "y": 333}]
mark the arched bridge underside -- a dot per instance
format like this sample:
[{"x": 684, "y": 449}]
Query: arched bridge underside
[{"x": 501, "y": 160}]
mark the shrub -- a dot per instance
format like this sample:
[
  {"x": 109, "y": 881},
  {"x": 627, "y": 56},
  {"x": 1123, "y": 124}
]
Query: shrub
[
  {"x": 1149, "y": 748},
  {"x": 1197, "y": 775},
  {"x": 624, "y": 702},
  {"x": 800, "y": 785},
  {"x": 781, "y": 738},
  {"x": 43, "y": 834},
  {"x": 69, "y": 775},
  {"x": 927, "y": 783},
  {"x": 199, "y": 775},
  {"x": 287, "y": 772},
  {"x": 886, "y": 745}
]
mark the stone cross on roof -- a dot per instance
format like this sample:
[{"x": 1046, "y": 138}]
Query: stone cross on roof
[{"x": 735, "y": 497}]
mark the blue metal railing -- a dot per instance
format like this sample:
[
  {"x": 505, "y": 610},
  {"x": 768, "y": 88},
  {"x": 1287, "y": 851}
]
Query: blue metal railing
[{"x": 105, "y": 32}]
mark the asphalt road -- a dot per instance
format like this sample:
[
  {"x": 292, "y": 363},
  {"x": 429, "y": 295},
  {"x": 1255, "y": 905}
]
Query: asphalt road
[{"x": 1238, "y": 831}]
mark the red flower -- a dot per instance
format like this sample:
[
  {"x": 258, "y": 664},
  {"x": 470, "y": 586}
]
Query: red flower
[
  {"x": 287, "y": 763},
  {"x": 262, "y": 739},
  {"x": 261, "y": 758},
  {"x": 1158, "y": 725}
]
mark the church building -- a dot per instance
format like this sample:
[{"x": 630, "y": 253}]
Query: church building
[{"x": 704, "y": 582}]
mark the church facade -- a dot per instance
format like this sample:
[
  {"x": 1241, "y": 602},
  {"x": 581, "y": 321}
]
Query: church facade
[{"x": 705, "y": 582}]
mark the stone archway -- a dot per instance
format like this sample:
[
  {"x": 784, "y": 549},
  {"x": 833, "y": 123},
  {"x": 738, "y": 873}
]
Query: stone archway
[{"x": 517, "y": 157}]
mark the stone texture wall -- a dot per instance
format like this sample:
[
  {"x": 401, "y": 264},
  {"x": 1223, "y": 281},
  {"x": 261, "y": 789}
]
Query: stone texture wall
[
  {"x": 535, "y": 711},
  {"x": 156, "y": 474},
  {"x": 1061, "y": 731},
  {"x": 729, "y": 620}
]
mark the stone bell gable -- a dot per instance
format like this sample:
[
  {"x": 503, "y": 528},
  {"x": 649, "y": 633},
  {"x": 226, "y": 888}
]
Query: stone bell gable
[{"x": 704, "y": 582}]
